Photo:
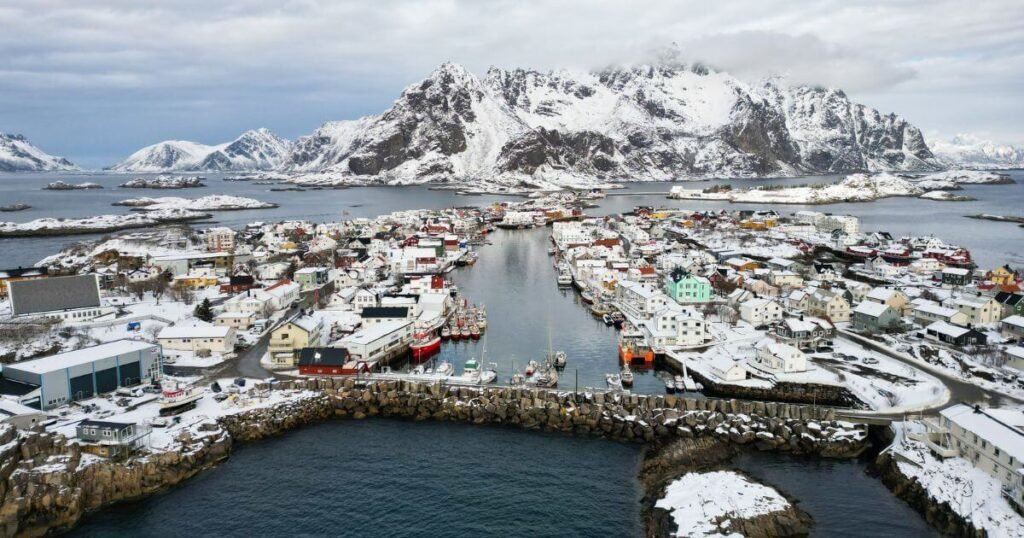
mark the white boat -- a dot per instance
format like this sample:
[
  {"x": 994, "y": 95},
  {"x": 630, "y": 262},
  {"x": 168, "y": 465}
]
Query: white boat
[
  {"x": 685, "y": 383},
  {"x": 626, "y": 376},
  {"x": 179, "y": 398},
  {"x": 564, "y": 278},
  {"x": 444, "y": 368},
  {"x": 489, "y": 374},
  {"x": 471, "y": 372},
  {"x": 518, "y": 379},
  {"x": 614, "y": 381},
  {"x": 531, "y": 368},
  {"x": 558, "y": 359}
]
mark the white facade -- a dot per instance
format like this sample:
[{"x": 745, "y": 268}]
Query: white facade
[
  {"x": 220, "y": 239},
  {"x": 760, "y": 312},
  {"x": 779, "y": 357},
  {"x": 193, "y": 339}
]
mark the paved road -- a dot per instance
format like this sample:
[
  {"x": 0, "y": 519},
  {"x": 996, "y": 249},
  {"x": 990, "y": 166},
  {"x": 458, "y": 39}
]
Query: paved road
[
  {"x": 247, "y": 364},
  {"x": 959, "y": 390}
]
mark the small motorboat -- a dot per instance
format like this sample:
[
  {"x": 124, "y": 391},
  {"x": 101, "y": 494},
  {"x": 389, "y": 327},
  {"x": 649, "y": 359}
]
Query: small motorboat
[
  {"x": 680, "y": 383},
  {"x": 552, "y": 249},
  {"x": 445, "y": 368},
  {"x": 547, "y": 379},
  {"x": 614, "y": 381},
  {"x": 531, "y": 368},
  {"x": 178, "y": 399},
  {"x": 489, "y": 374},
  {"x": 518, "y": 380},
  {"x": 587, "y": 297},
  {"x": 558, "y": 359},
  {"x": 607, "y": 319},
  {"x": 626, "y": 376}
]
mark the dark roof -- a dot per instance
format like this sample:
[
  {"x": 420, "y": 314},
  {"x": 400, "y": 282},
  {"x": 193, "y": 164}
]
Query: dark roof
[
  {"x": 386, "y": 312},
  {"x": 323, "y": 356},
  {"x": 242, "y": 280},
  {"x": 1008, "y": 298},
  {"x": 15, "y": 388},
  {"x": 51, "y": 294},
  {"x": 23, "y": 272},
  {"x": 105, "y": 424}
]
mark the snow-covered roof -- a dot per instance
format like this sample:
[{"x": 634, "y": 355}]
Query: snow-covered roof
[
  {"x": 936, "y": 310},
  {"x": 193, "y": 331},
  {"x": 81, "y": 356},
  {"x": 642, "y": 290},
  {"x": 872, "y": 309},
  {"x": 1003, "y": 430},
  {"x": 882, "y": 294},
  {"x": 1014, "y": 321},
  {"x": 948, "y": 329},
  {"x": 798, "y": 325},
  {"x": 375, "y": 332}
]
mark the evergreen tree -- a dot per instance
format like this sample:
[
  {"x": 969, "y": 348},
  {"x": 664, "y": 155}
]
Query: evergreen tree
[{"x": 204, "y": 311}]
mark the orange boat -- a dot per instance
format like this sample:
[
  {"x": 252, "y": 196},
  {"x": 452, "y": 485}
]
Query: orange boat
[{"x": 631, "y": 351}]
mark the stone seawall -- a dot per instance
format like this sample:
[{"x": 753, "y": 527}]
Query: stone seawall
[
  {"x": 806, "y": 393},
  {"x": 766, "y": 425},
  {"x": 939, "y": 515}
]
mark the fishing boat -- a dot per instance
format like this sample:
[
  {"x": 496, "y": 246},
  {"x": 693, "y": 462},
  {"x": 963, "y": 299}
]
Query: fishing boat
[
  {"x": 455, "y": 332},
  {"x": 178, "y": 399},
  {"x": 471, "y": 372},
  {"x": 446, "y": 333},
  {"x": 531, "y": 368},
  {"x": 599, "y": 309},
  {"x": 518, "y": 379},
  {"x": 547, "y": 379},
  {"x": 489, "y": 374},
  {"x": 474, "y": 332},
  {"x": 471, "y": 258},
  {"x": 618, "y": 318},
  {"x": 607, "y": 319},
  {"x": 626, "y": 376},
  {"x": 465, "y": 333},
  {"x": 614, "y": 381},
  {"x": 557, "y": 359},
  {"x": 424, "y": 346},
  {"x": 445, "y": 368},
  {"x": 564, "y": 278},
  {"x": 587, "y": 297},
  {"x": 552, "y": 249}
]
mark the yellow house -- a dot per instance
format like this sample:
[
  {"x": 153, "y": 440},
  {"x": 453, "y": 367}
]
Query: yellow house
[
  {"x": 287, "y": 340},
  {"x": 1002, "y": 276},
  {"x": 195, "y": 281}
]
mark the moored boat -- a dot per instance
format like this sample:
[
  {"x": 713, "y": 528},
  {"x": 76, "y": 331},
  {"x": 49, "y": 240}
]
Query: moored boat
[
  {"x": 444, "y": 368},
  {"x": 424, "y": 346},
  {"x": 531, "y": 368},
  {"x": 446, "y": 333},
  {"x": 474, "y": 332},
  {"x": 465, "y": 333},
  {"x": 626, "y": 376}
]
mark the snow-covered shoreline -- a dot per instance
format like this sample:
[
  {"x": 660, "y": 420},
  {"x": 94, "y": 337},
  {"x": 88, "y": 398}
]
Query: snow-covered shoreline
[
  {"x": 165, "y": 182},
  {"x": 853, "y": 188},
  {"x": 99, "y": 224},
  {"x": 216, "y": 202},
  {"x": 711, "y": 503}
]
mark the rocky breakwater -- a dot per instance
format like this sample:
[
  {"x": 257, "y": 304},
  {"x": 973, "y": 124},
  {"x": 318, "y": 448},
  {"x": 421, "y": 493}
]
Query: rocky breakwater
[
  {"x": 765, "y": 425},
  {"x": 47, "y": 483}
]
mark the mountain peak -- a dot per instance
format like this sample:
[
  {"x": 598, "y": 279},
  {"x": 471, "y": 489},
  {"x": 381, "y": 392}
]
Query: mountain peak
[{"x": 17, "y": 154}]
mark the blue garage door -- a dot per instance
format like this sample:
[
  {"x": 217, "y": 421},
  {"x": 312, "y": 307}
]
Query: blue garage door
[
  {"x": 130, "y": 374},
  {"x": 106, "y": 380},
  {"x": 81, "y": 387}
]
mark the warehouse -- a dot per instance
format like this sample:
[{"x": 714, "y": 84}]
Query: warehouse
[
  {"x": 380, "y": 342},
  {"x": 80, "y": 374}
]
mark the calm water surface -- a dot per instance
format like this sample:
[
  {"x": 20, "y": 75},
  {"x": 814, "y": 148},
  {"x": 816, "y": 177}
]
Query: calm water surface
[{"x": 990, "y": 242}]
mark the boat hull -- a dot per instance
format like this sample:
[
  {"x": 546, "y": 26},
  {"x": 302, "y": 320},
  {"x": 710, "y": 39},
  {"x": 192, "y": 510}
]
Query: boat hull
[{"x": 425, "y": 350}]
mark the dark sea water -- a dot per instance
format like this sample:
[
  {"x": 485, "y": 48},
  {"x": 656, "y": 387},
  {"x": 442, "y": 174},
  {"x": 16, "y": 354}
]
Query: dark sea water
[
  {"x": 991, "y": 242},
  {"x": 384, "y": 477}
]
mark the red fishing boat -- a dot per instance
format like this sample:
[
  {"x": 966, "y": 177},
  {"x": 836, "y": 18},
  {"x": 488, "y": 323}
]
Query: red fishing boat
[{"x": 425, "y": 346}]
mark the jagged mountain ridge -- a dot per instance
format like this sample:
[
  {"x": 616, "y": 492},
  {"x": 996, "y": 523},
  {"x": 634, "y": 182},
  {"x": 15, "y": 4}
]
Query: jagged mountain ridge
[
  {"x": 660, "y": 122},
  {"x": 643, "y": 123},
  {"x": 971, "y": 152},
  {"x": 257, "y": 149},
  {"x": 17, "y": 154}
]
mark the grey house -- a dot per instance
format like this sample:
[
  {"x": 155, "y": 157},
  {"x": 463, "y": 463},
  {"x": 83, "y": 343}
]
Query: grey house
[
  {"x": 72, "y": 298},
  {"x": 870, "y": 316},
  {"x": 111, "y": 439}
]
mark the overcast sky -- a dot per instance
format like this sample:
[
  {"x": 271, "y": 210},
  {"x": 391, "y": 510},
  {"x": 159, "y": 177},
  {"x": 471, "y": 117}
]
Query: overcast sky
[{"x": 96, "y": 80}]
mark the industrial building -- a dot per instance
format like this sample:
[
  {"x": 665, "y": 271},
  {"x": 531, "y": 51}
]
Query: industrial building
[{"x": 84, "y": 373}]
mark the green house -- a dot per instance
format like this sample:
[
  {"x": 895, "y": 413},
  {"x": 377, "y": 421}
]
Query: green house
[{"x": 685, "y": 287}]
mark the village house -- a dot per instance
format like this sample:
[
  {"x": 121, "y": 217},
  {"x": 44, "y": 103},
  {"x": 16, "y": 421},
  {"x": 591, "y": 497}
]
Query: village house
[
  {"x": 979, "y": 309},
  {"x": 875, "y": 317},
  {"x": 956, "y": 277},
  {"x": 758, "y": 312},
  {"x": 725, "y": 368},
  {"x": 220, "y": 239},
  {"x": 311, "y": 278},
  {"x": 927, "y": 312},
  {"x": 778, "y": 357},
  {"x": 282, "y": 295},
  {"x": 1013, "y": 327},
  {"x": 741, "y": 264},
  {"x": 111, "y": 439},
  {"x": 1002, "y": 276},
  {"x": 290, "y": 337},
  {"x": 363, "y": 299},
  {"x": 1011, "y": 303},
  {"x": 373, "y": 315},
  {"x": 828, "y": 304},
  {"x": 320, "y": 361},
  {"x": 1014, "y": 356},
  {"x": 379, "y": 343},
  {"x": 785, "y": 279},
  {"x": 66, "y": 298},
  {"x": 676, "y": 325},
  {"x": 926, "y": 266},
  {"x": 761, "y": 288},
  {"x": 990, "y": 439},
  {"x": 685, "y": 287},
  {"x": 21, "y": 273},
  {"x": 891, "y": 297},
  {"x": 639, "y": 301},
  {"x": 955, "y": 335},
  {"x": 195, "y": 281},
  {"x": 806, "y": 333},
  {"x": 236, "y": 320},
  {"x": 187, "y": 340}
]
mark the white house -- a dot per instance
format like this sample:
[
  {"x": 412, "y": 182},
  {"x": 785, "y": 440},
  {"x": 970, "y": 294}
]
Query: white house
[
  {"x": 726, "y": 369},
  {"x": 927, "y": 312},
  {"x": 185, "y": 340},
  {"x": 640, "y": 301},
  {"x": 780, "y": 358},
  {"x": 759, "y": 312},
  {"x": 676, "y": 325},
  {"x": 363, "y": 299},
  {"x": 980, "y": 310}
]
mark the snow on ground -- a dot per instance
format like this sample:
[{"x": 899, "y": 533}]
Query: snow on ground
[
  {"x": 703, "y": 504},
  {"x": 967, "y": 367},
  {"x": 100, "y": 223},
  {"x": 216, "y": 202},
  {"x": 970, "y": 492}
]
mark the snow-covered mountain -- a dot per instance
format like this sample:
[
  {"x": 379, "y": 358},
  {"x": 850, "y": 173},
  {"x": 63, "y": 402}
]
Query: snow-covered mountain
[
  {"x": 659, "y": 122},
  {"x": 968, "y": 151},
  {"x": 258, "y": 149},
  {"x": 19, "y": 155}
]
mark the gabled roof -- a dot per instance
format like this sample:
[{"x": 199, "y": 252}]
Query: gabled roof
[
  {"x": 53, "y": 294},
  {"x": 323, "y": 356},
  {"x": 869, "y": 308}
]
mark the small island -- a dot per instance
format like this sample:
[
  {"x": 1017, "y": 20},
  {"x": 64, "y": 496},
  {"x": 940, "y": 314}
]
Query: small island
[
  {"x": 217, "y": 202},
  {"x": 98, "y": 224},
  {"x": 165, "y": 182},
  {"x": 14, "y": 207},
  {"x": 63, "y": 186}
]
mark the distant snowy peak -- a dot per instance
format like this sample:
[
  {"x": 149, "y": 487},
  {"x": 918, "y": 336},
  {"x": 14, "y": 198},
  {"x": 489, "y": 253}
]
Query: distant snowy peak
[
  {"x": 17, "y": 154},
  {"x": 968, "y": 151},
  {"x": 259, "y": 149},
  {"x": 658, "y": 122}
]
